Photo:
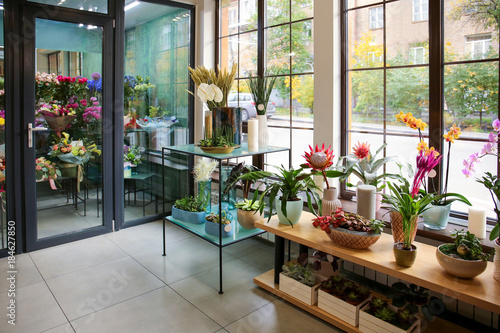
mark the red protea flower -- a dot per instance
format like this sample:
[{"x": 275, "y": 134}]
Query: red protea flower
[
  {"x": 319, "y": 159},
  {"x": 362, "y": 150}
]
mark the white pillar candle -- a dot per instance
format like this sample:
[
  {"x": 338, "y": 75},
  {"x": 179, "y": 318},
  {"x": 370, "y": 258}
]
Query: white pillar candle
[
  {"x": 366, "y": 197},
  {"x": 477, "y": 222},
  {"x": 253, "y": 135}
]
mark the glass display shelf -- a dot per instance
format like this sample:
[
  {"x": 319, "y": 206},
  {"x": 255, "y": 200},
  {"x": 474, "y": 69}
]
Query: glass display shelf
[
  {"x": 199, "y": 230},
  {"x": 238, "y": 152}
]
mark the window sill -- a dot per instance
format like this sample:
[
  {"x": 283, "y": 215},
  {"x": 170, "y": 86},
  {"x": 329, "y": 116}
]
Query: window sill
[{"x": 432, "y": 237}]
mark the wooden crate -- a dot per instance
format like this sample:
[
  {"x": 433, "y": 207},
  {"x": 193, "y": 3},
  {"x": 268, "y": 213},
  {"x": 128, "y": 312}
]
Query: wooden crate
[
  {"x": 303, "y": 293},
  {"x": 372, "y": 324},
  {"x": 340, "y": 308}
]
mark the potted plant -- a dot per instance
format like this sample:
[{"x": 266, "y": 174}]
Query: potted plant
[
  {"x": 300, "y": 282},
  {"x": 349, "y": 229},
  {"x": 285, "y": 186},
  {"x": 215, "y": 221},
  {"x": 365, "y": 165},
  {"x": 132, "y": 155},
  {"x": 221, "y": 142},
  {"x": 464, "y": 257},
  {"x": 247, "y": 210},
  {"x": 343, "y": 298},
  {"x": 408, "y": 205},
  {"x": 416, "y": 299},
  {"x": 203, "y": 170},
  {"x": 379, "y": 316},
  {"x": 436, "y": 217},
  {"x": 190, "y": 209},
  {"x": 261, "y": 88},
  {"x": 319, "y": 160}
]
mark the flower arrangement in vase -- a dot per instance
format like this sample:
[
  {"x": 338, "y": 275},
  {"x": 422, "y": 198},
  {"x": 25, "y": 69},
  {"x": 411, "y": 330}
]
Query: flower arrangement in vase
[
  {"x": 203, "y": 170},
  {"x": 47, "y": 170},
  {"x": 319, "y": 160}
]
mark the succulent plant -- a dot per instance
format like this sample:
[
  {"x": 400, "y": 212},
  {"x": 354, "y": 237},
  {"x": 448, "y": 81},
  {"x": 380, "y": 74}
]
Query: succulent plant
[
  {"x": 386, "y": 314},
  {"x": 247, "y": 205},
  {"x": 303, "y": 274}
]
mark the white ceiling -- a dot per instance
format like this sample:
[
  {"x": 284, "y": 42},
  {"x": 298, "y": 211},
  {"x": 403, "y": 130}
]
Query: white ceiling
[{"x": 144, "y": 12}]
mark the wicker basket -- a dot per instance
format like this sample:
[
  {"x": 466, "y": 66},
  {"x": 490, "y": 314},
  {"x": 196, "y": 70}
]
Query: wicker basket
[
  {"x": 397, "y": 227},
  {"x": 352, "y": 239}
]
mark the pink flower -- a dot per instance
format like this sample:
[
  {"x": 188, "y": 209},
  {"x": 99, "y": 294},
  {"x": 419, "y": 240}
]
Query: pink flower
[
  {"x": 493, "y": 137},
  {"x": 488, "y": 148},
  {"x": 425, "y": 163},
  {"x": 496, "y": 125},
  {"x": 83, "y": 102}
]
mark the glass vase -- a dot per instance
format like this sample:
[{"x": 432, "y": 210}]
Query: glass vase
[
  {"x": 230, "y": 197},
  {"x": 204, "y": 189}
]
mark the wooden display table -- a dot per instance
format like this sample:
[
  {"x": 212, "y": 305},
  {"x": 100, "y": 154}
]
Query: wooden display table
[{"x": 482, "y": 291}]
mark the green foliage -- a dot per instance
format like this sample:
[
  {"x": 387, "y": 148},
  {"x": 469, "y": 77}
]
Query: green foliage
[
  {"x": 303, "y": 274},
  {"x": 247, "y": 205},
  {"x": 485, "y": 14},
  {"x": 221, "y": 137},
  {"x": 285, "y": 187},
  {"x": 386, "y": 314},
  {"x": 367, "y": 168},
  {"x": 400, "y": 200},
  {"x": 492, "y": 183},
  {"x": 191, "y": 204},
  {"x": 233, "y": 179},
  {"x": 216, "y": 218},
  {"x": 345, "y": 289},
  {"x": 412, "y": 298},
  {"x": 261, "y": 88},
  {"x": 466, "y": 246}
]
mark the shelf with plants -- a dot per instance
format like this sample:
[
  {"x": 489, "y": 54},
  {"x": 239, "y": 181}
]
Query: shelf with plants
[{"x": 480, "y": 291}]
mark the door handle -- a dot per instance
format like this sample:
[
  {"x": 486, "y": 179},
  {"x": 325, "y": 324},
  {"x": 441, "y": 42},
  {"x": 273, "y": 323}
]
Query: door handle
[{"x": 32, "y": 129}]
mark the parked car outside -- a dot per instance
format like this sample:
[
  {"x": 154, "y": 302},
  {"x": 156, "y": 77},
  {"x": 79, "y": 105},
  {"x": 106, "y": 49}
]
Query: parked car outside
[{"x": 247, "y": 104}]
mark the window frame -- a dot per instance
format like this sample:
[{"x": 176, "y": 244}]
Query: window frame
[
  {"x": 488, "y": 38},
  {"x": 436, "y": 87}
]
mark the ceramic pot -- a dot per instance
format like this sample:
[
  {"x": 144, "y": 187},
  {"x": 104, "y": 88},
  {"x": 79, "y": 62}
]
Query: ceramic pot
[
  {"x": 466, "y": 269},
  {"x": 330, "y": 201},
  {"x": 263, "y": 131},
  {"x": 190, "y": 217},
  {"x": 293, "y": 211},
  {"x": 246, "y": 218},
  {"x": 212, "y": 228},
  {"x": 405, "y": 258},
  {"x": 436, "y": 217},
  {"x": 496, "y": 260},
  {"x": 229, "y": 118},
  {"x": 397, "y": 227}
]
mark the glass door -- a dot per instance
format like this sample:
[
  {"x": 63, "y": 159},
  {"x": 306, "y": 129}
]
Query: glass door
[
  {"x": 158, "y": 51},
  {"x": 66, "y": 147}
]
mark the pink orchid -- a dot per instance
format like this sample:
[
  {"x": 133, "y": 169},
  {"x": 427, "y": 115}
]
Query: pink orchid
[
  {"x": 496, "y": 125},
  {"x": 425, "y": 163}
]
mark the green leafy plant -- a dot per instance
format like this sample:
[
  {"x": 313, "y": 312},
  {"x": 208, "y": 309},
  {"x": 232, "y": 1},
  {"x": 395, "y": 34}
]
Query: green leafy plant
[
  {"x": 286, "y": 186},
  {"x": 247, "y": 205},
  {"x": 261, "y": 88},
  {"x": 409, "y": 206},
  {"x": 221, "y": 137},
  {"x": 466, "y": 246},
  {"x": 191, "y": 204},
  {"x": 413, "y": 298},
  {"x": 234, "y": 179},
  {"x": 216, "y": 218},
  {"x": 303, "y": 274},
  {"x": 492, "y": 183}
]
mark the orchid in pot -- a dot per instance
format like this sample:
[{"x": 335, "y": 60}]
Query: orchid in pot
[
  {"x": 319, "y": 160},
  {"x": 406, "y": 204}
]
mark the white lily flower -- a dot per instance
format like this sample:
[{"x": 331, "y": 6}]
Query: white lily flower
[{"x": 217, "y": 93}]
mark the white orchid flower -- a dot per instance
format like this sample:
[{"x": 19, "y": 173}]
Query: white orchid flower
[
  {"x": 205, "y": 92},
  {"x": 217, "y": 93}
]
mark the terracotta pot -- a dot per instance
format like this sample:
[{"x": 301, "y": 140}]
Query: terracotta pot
[
  {"x": 466, "y": 269},
  {"x": 405, "y": 258},
  {"x": 397, "y": 227},
  {"x": 246, "y": 218}
]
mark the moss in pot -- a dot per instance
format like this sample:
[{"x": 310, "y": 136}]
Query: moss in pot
[{"x": 465, "y": 257}]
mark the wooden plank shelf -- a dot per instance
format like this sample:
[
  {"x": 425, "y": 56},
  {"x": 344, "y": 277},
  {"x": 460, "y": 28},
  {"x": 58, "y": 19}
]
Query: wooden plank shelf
[{"x": 481, "y": 291}]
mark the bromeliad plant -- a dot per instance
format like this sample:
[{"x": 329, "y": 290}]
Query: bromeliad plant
[
  {"x": 284, "y": 185},
  {"x": 261, "y": 88},
  {"x": 364, "y": 165}
]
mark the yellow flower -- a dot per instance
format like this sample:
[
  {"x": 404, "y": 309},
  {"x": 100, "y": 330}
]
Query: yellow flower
[
  {"x": 448, "y": 138},
  {"x": 428, "y": 151},
  {"x": 422, "y": 145},
  {"x": 2, "y": 121},
  {"x": 399, "y": 117}
]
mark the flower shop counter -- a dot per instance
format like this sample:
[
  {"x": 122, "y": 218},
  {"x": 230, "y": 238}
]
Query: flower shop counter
[{"x": 481, "y": 291}]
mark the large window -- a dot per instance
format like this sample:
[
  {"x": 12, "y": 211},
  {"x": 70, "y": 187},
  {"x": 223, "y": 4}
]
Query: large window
[
  {"x": 287, "y": 30},
  {"x": 458, "y": 86}
]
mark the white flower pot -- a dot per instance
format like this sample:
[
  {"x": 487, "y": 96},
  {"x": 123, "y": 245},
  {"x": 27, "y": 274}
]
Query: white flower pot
[
  {"x": 263, "y": 131},
  {"x": 340, "y": 308}
]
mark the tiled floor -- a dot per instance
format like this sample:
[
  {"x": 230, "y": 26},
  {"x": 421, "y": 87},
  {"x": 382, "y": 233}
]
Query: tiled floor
[{"x": 120, "y": 282}]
